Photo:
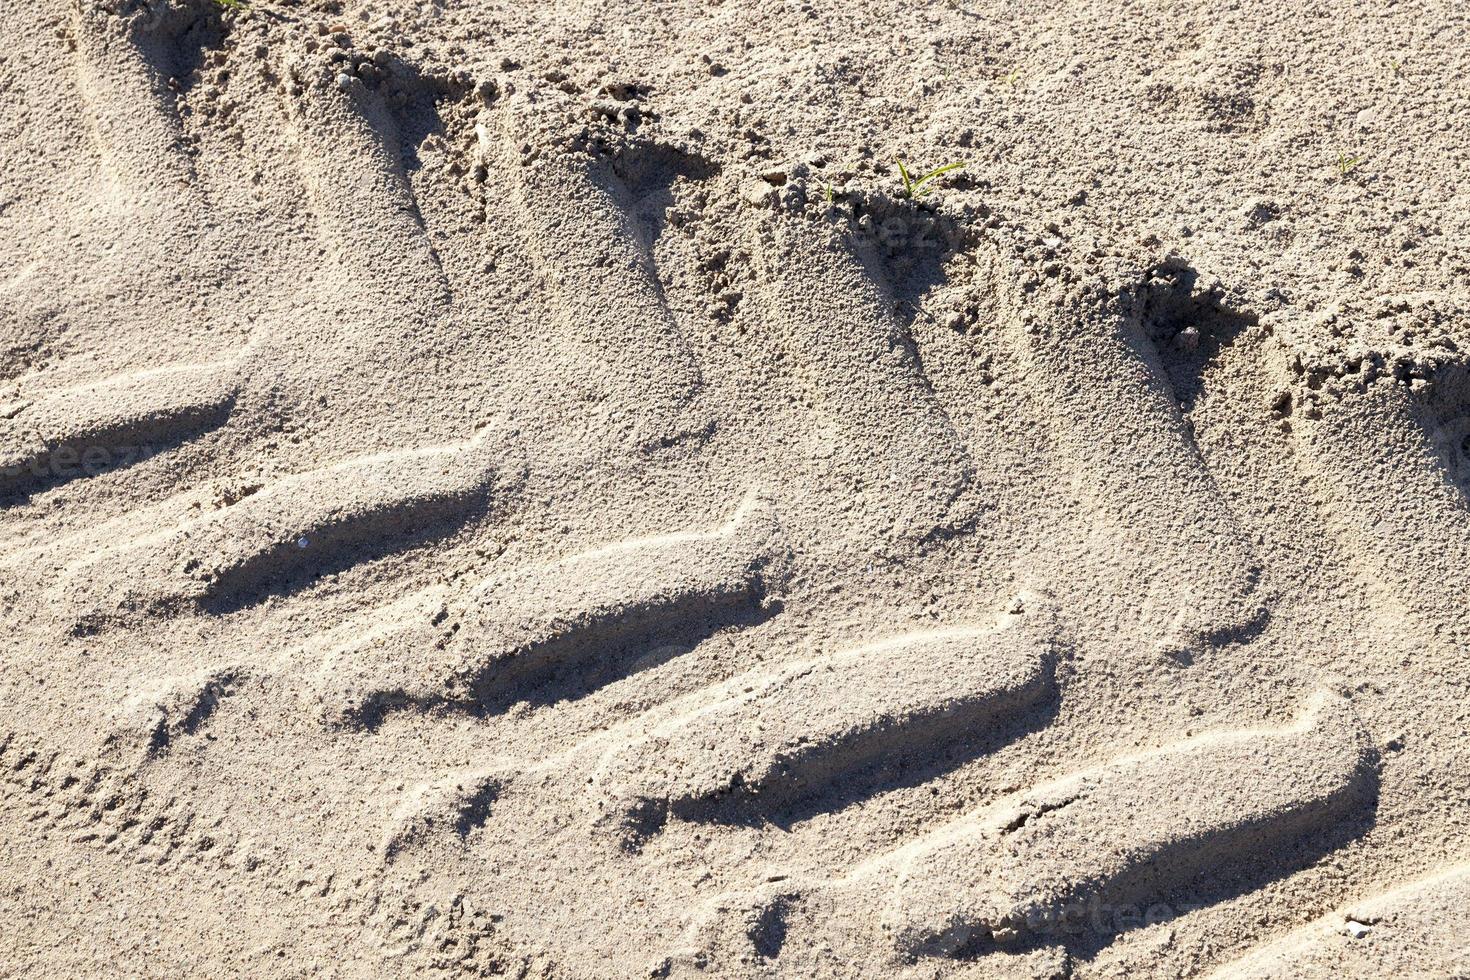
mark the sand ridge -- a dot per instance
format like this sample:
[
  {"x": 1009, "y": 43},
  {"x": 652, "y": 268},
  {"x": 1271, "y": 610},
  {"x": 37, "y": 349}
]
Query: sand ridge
[{"x": 504, "y": 489}]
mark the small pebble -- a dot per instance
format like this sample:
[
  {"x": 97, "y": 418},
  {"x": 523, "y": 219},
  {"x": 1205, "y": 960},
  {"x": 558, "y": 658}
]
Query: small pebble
[{"x": 758, "y": 192}]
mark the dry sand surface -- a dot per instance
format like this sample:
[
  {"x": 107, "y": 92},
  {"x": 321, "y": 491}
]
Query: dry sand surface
[{"x": 519, "y": 488}]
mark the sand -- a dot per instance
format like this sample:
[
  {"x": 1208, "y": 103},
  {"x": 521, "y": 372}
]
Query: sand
[{"x": 524, "y": 489}]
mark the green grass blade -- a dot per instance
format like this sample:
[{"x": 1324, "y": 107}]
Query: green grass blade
[
  {"x": 908, "y": 182},
  {"x": 941, "y": 170}
]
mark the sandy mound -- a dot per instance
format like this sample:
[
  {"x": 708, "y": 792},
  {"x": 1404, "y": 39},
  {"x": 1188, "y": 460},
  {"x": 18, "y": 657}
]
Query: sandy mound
[{"x": 537, "y": 490}]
